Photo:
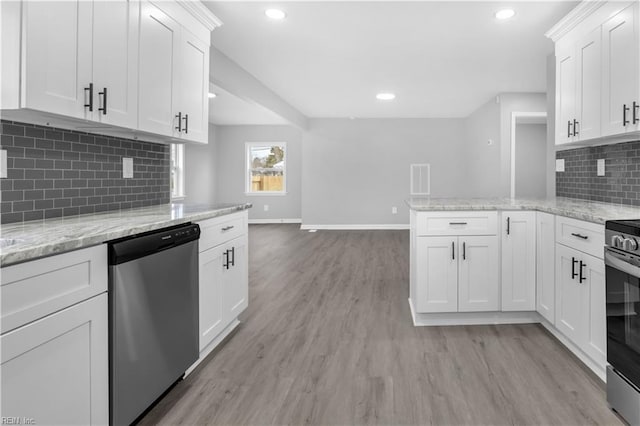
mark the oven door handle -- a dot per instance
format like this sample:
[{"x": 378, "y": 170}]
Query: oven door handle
[{"x": 615, "y": 261}]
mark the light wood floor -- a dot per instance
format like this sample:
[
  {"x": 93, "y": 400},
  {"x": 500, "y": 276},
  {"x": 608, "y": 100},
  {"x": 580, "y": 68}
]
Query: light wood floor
[{"x": 328, "y": 340}]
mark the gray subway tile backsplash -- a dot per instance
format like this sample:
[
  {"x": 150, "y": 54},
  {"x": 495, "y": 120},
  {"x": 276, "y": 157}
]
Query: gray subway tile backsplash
[
  {"x": 55, "y": 173},
  {"x": 621, "y": 183}
]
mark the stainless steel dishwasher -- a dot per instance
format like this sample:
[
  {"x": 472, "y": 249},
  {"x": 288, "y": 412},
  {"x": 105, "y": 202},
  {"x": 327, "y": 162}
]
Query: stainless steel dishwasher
[{"x": 153, "y": 316}]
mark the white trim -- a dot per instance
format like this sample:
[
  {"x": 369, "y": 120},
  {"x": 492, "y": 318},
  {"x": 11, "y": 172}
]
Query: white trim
[
  {"x": 247, "y": 165},
  {"x": 357, "y": 227},
  {"x": 600, "y": 371},
  {"x": 473, "y": 318},
  {"x": 573, "y": 18},
  {"x": 266, "y": 194},
  {"x": 514, "y": 118},
  {"x": 265, "y": 221},
  {"x": 202, "y": 13},
  {"x": 211, "y": 346}
]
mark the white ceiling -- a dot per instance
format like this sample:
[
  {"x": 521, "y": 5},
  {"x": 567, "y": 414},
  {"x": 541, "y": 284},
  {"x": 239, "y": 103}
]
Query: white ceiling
[
  {"x": 442, "y": 59},
  {"x": 228, "y": 109}
]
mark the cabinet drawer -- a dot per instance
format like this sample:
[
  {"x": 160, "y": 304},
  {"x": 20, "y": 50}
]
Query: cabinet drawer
[
  {"x": 457, "y": 223},
  {"x": 584, "y": 236},
  {"x": 32, "y": 290},
  {"x": 219, "y": 230}
]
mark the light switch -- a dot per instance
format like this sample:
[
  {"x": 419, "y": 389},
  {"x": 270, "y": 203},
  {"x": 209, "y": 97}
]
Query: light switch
[
  {"x": 127, "y": 168},
  {"x": 3, "y": 164},
  {"x": 560, "y": 165},
  {"x": 600, "y": 166}
]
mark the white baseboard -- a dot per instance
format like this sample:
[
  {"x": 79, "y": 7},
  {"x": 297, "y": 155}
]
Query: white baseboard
[
  {"x": 599, "y": 370},
  {"x": 267, "y": 221},
  {"x": 357, "y": 227},
  {"x": 211, "y": 346}
]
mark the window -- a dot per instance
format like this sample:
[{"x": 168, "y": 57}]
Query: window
[
  {"x": 177, "y": 171},
  {"x": 266, "y": 168}
]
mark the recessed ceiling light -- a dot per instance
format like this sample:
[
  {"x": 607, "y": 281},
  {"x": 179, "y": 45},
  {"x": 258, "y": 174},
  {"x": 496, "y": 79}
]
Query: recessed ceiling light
[
  {"x": 212, "y": 95},
  {"x": 275, "y": 14},
  {"x": 505, "y": 14},
  {"x": 385, "y": 96}
]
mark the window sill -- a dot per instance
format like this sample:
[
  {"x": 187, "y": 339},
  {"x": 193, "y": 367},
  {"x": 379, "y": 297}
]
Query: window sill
[
  {"x": 181, "y": 198},
  {"x": 262, "y": 194}
]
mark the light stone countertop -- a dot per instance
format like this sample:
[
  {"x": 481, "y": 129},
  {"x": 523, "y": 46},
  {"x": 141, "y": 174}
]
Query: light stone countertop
[
  {"x": 589, "y": 211},
  {"x": 46, "y": 237}
]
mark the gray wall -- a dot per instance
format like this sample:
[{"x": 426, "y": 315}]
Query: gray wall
[
  {"x": 483, "y": 159},
  {"x": 355, "y": 171},
  {"x": 201, "y": 165},
  {"x": 230, "y": 141},
  {"x": 531, "y": 156}
]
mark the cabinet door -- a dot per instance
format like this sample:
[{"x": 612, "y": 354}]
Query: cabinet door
[
  {"x": 211, "y": 269},
  {"x": 565, "y": 93},
  {"x": 57, "y": 55},
  {"x": 478, "y": 280},
  {"x": 55, "y": 370},
  {"x": 159, "y": 47},
  {"x": 236, "y": 285},
  {"x": 545, "y": 266},
  {"x": 593, "y": 270},
  {"x": 193, "y": 88},
  {"x": 115, "y": 62},
  {"x": 588, "y": 86},
  {"x": 620, "y": 70},
  {"x": 437, "y": 274},
  {"x": 519, "y": 261},
  {"x": 571, "y": 295}
]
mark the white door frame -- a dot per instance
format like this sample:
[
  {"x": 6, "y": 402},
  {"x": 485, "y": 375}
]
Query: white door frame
[{"x": 514, "y": 119}]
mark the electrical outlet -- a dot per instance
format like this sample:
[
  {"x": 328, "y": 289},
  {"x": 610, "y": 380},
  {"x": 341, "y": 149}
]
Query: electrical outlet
[
  {"x": 600, "y": 167},
  {"x": 560, "y": 165},
  {"x": 394, "y": 210},
  {"x": 3, "y": 163},
  {"x": 127, "y": 168},
  {"x": 266, "y": 207}
]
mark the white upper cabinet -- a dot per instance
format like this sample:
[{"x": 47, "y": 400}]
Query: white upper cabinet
[
  {"x": 57, "y": 57},
  {"x": 159, "y": 47},
  {"x": 597, "y": 71},
  {"x": 194, "y": 99},
  {"x": 519, "y": 261},
  {"x": 621, "y": 75},
  {"x": 115, "y": 62}
]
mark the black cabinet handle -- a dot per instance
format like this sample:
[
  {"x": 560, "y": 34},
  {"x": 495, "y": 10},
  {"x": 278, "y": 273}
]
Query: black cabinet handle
[
  {"x": 582, "y": 278},
  {"x": 464, "y": 250},
  {"x": 186, "y": 123},
  {"x": 584, "y": 237},
  {"x": 179, "y": 127},
  {"x": 90, "y": 90},
  {"x": 225, "y": 263},
  {"x": 233, "y": 256},
  {"x": 457, "y": 223},
  {"x": 508, "y": 225},
  {"x": 573, "y": 268},
  {"x": 453, "y": 250},
  {"x": 569, "y": 128},
  {"x": 636, "y": 112},
  {"x": 625, "y": 108},
  {"x": 104, "y": 101},
  {"x": 226, "y": 228},
  {"x": 575, "y": 127}
]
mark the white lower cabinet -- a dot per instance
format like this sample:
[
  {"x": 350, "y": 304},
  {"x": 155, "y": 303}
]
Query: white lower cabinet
[
  {"x": 580, "y": 301},
  {"x": 545, "y": 266},
  {"x": 223, "y": 272},
  {"x": 55, "y": 370},
  {"x": 457, "y": 274},
  {"x": 519, "y": 261}
]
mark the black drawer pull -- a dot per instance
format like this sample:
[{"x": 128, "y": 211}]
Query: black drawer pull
[
  {"x": 582, "y": 278},
  {"x": 233, "y": 256},
  {"x": 573, "y": 268},
  {"x": 453, "y": 250},
  {"x": 636, "y": 115},
  {"x": 225, "y": 262},
  {"x": 104, "y": 101},
  {"x": 575, "y": 127},
  {"x": 584, "y": 237},
  {"x": 568, "y": 129},
  {"x": 457, "y": 223},
  {"x": 179, "y": 126},
  {"x": 464, "y": 251},
  {"x": 90, "y": 90},
  {"x": 625, "y": 108},
  {"x": 186, "y": 123},
  {"x": 508, "y": 225},
  {"x": 226, "y": 228}
]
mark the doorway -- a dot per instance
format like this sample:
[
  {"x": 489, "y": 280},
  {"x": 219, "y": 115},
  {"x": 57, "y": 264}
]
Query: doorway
[{"x": 528, "y": 154}]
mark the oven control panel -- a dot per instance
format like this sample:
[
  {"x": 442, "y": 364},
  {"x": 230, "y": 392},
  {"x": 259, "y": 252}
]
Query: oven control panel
[{"x": 622, "y": 241}]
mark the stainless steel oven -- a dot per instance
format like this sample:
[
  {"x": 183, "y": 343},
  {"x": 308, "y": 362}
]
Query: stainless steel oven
[{"x": 622, "y": 260}]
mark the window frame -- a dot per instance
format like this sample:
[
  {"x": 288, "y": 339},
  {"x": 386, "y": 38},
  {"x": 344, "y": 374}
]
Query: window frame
[
  {"x": 248, "y": 169},
  {"x": 177, "y": 191}
]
